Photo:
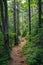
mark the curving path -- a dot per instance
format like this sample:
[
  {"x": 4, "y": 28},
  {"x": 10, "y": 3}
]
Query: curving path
[{"x": 17, "y": 57}]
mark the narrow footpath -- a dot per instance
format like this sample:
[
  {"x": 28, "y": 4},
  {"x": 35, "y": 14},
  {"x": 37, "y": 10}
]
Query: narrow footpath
[{"x": 17, "y": 57}]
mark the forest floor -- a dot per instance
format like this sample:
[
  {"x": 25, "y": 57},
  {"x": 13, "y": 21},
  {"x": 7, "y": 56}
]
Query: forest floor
[{"x": 17, "y": 57}]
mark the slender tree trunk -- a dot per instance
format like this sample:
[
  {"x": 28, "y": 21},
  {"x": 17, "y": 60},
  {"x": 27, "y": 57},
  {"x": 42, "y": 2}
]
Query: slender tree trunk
[
  {"x": 17, "y": 18},
  {"x": 40, "y": 25},
  {"x": 29, "y": 20},
  {"x": 18, "y": 22},
  {"x": 15, "y": 24},
  {"x": 39, "y": 21},
  {"x": 39, "y": 13},
  {"x": 5, "y": 26},
  {"x": 2, "y": 15}
]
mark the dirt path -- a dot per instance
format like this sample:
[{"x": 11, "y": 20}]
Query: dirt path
[{"x": 17, "y": 58}]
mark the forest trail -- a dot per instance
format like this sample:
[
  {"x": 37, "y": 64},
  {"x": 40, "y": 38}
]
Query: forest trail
[{"x": 17, "y": 57}]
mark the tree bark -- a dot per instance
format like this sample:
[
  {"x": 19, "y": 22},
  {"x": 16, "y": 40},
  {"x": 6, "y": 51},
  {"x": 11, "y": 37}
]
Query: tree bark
[
  {"x": 18, "y": 22},
  {"x": 5, "y": 25},
  {"x": 29, "y": 20},
  {"x": 40, "y": 25},
  {"x": 39, "y": 13},
  {"x": 15, "y": 24}
]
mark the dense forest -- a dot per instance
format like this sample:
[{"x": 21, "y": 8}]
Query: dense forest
[{"x": 21, "y": 32}]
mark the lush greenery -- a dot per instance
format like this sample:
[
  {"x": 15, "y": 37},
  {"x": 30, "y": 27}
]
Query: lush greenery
[{"x": 19, "y": 26}]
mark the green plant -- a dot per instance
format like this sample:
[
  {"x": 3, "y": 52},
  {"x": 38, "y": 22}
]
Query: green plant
[{"x": 35, "y": 56}]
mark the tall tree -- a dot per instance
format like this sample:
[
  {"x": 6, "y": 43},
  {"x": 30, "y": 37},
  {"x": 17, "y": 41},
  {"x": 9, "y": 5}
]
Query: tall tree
[
  {"x": 15, "y": 24},
  {"x": 40, "y": 27},
  {"x": 18, "y": 22},
  {"x": 5, "y": 25},
  {"x": 39, "y": 13},
  {"x": 29, "y": 19}
]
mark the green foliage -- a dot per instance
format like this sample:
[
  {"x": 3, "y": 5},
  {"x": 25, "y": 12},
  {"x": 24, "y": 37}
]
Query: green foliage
[
  {"x": 3, "y": 56},
  {"x": 35, "y": 56},
  {"x": 25, "y": 48},
  {"x": 24, "y": 28},
  {"x": 24, "y": 33},
  {"x": 1, "y": 38},
  {"x": 33, "y": 50},
  {"x": 11, "y": 38}
]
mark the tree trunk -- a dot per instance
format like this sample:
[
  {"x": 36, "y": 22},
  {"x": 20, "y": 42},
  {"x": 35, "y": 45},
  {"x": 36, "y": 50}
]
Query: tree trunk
[
  {"x": 15, "y": 24},
  {"x": 29, "y": 20},
  {"x": 18, "y": 22},
  {"x": 39, "y": 21},
  {"x": 39, "y": 13},
  {"x": 5, "y": 26}
]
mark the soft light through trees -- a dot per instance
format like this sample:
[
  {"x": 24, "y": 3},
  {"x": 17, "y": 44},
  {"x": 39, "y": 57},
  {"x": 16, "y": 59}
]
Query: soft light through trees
[{"x": 21, "y": 19}]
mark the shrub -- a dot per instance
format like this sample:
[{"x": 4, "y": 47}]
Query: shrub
[{"x": 35, "y": 56}]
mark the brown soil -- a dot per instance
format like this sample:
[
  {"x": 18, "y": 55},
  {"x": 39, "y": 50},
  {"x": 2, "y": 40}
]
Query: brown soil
[{"x": 17, "y": 57}]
